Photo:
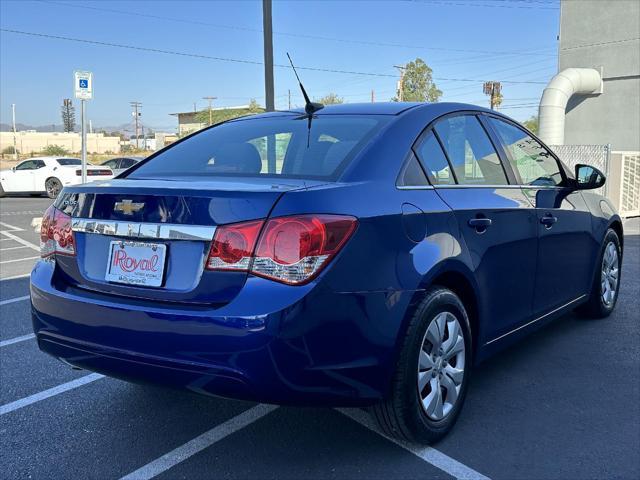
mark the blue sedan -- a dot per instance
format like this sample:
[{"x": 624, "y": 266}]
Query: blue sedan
[{"x": 361, "y": 255}]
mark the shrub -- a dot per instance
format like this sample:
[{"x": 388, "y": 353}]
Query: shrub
[{"x": 54, "y": 150}]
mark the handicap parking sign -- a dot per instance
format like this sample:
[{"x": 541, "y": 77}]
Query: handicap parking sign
[{"x": 83, "y": 87}]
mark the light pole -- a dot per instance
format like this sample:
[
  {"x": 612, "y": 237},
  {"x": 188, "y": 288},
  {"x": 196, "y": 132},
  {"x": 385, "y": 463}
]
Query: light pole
[
  {"x": 402, "y": 69},
  {"x": 13, "y": 115},
  {"x": 268, "y": 55}
]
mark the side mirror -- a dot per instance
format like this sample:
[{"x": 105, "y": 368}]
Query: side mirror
[
  {"x": 13, "y": 169},
  {"x": 588, "y": 177}
]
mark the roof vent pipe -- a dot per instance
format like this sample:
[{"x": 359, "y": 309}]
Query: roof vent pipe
[{"x": 569, "y": 82}]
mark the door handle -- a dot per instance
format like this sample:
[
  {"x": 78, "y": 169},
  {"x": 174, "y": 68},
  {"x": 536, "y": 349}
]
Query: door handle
[
  {"x": 479, "y": 223},
  {"x": 548, "y": 220}
]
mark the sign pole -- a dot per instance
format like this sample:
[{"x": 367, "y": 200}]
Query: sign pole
[
  {"x": 84, "y": 141},
  {"x": 83, "y": 89}
]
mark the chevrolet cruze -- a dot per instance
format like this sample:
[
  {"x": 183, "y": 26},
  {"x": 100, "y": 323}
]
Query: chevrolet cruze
[{"x": 358, "y": 255}]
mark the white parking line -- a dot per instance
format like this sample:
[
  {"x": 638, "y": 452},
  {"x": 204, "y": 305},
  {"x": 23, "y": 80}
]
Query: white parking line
[
  {"x": 13, "y": 340},
  {"x": 18, "y": 260},
  {"x": 428, "y": 454},
  {"x": 11, "y": 227},
  {"x": 26, "y": 212},
  {"x": 12, "y": 248},
  {"x": 36, "y": 397},
  {"x": 15, "y": 299},
  {"x": 15, "y": 277},
  {"x": 20, "y": 240},
  {"x": 174, "y": 457}
]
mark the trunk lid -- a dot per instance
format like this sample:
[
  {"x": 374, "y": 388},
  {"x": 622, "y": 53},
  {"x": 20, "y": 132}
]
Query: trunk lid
[{"x": 180, "y": 214}]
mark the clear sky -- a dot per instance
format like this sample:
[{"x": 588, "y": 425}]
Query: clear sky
[{"x": 505, "y": 40}]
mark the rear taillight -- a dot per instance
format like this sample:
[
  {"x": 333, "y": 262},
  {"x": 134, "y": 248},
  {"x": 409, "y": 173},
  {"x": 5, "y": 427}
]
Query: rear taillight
[
  {"x": 290, "y": 250},
  {"x": 233, "y": 245},
  {"x": 56, "y": 235}
]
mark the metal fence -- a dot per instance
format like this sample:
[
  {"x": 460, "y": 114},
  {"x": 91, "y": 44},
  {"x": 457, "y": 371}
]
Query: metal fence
[
  {"x": 598, "y": 156},
  {"x": 629, "y": 194},
  {"x": 621, "y": 168}
]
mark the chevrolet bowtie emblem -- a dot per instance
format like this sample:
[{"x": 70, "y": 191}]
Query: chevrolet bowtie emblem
[{"x": 128, "y": 207}]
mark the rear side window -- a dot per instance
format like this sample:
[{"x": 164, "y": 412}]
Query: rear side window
[
  {"x": 532, "y": 161},
  {"x": 279, "y": 146},
  {"x": 434, "y": 161},
  {"x": 69, "y": 161},
  {"x": 412, "y": 174},
  {"x": 474, "y": 160}
]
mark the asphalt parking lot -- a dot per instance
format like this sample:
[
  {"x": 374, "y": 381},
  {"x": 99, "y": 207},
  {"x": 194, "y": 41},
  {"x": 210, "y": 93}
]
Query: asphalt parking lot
[{"x": 565, "y": 403}]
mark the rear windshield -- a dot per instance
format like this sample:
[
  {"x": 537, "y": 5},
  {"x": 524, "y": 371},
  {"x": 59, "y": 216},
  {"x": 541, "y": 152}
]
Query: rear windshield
[
  {"x": 276, "y": 146},
  {"x": 69, "y": 161}
]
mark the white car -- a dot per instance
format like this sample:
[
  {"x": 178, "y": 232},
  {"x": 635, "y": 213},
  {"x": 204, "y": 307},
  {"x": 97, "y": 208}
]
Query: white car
[{"x": 48, "y": 175}]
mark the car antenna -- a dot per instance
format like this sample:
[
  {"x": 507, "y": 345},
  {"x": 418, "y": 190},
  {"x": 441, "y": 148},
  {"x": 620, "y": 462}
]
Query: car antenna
[{"x": 309, "y": 107}]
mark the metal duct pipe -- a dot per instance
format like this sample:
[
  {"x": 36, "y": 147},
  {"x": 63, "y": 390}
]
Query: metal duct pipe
[{"x": 569, "y": 82}]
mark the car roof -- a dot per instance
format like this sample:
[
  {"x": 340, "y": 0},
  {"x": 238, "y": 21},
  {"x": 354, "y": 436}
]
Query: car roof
[{"x": 377, "y": 108}]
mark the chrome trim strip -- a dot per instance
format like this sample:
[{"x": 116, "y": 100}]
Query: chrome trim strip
[
  {"x": 536, "y": 320},
  {"x": 157, "y": 231}
]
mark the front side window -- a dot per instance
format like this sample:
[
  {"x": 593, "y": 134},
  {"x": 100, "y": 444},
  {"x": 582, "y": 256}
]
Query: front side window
[
  {"x": 534, "y": 164},
  {"x": 28, "y": 165},
  {"x": 474, "y": 160},
  {"x": 434, "y": 161},
  {"x": 279, "y": 146}
]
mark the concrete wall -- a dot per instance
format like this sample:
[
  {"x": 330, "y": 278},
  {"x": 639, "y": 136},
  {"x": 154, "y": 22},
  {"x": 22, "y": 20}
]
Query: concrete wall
[
  {"x": 614, "y": 116},
  {"x": 34, "y": 142}
]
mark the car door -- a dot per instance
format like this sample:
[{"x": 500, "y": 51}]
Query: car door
[
  {"x": 21, "y": 179},
  {"x": 40, "y": 174},
  {"x": 496, "y": 220},
  {"x": 566, "y": 248}
]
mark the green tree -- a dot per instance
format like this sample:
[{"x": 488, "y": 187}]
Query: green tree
[
  {"x": 68, "y": 115},
  {"x": 532, "y": 124},
  {"x": 417, "y": 84},
  {"x": 331, "y": 99},
  {"x": 52, "y": 150}
]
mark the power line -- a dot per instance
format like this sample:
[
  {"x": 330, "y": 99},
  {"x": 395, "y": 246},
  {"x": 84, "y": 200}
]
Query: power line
[
  {"x": 585, "y": 45},
  {"x": 235, "y": 60},
  {"x": 290, "y": 34}
]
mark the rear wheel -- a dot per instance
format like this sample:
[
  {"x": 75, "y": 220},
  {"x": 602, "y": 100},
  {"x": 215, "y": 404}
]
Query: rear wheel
[
  {"x": 606, "y": 279},
  {"x": 430, "y": 382},
  {"x": 53, "y": 187}
]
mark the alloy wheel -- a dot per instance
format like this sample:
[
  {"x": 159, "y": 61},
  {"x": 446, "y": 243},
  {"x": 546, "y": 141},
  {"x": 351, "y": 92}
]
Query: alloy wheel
[
  {"x": 53, "y": 187},
  {"x": 609, "y": 274},
  {"x": 441, "y": 365}
]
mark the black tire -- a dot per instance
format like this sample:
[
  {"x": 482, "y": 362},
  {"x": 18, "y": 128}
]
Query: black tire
[
  {"x": 52, "y": 187},
  {"x": 596, "y": 307},
  {"x": 402, "y": 415}
]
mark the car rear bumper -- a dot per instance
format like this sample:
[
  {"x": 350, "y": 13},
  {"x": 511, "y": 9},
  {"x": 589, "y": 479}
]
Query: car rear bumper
[{"x": 273, "y": 343}]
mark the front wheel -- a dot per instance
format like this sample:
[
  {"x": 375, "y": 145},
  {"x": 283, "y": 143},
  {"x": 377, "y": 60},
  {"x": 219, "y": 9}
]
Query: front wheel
[
  {"x": 432, "y": 374},
  {"x": 53, "y": 187},
  {"x": 606, "y": 280}
]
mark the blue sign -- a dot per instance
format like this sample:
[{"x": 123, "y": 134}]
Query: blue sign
[{"x": 84, "y": 83}]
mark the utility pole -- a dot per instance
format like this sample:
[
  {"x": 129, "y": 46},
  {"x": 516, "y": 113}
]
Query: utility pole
[
  {"x": 90, "y": 127},
  {"x": 268, "y": 55},
  {"x": 13, "y": 115},
  {"x": 210, "y": 100},
  {"x": 494, "y": 90},
  {"x": 289, "y": 92},
  {"x": 402, "y": 69},
  {"x": 373, "y": 96},
  {"x": 136, "y": 114}
]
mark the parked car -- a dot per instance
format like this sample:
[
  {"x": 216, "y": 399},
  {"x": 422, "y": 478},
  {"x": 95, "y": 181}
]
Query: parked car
[
  {"x": 120, "y": 164},
  {"x": 368, "y": 255},
  {"x": 47, "y": 175}
]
